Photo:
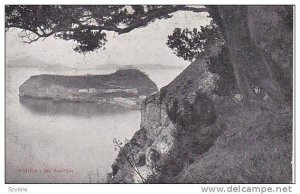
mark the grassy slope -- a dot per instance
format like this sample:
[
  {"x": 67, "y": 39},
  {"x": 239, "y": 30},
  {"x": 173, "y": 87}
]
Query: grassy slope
[{"x": 255, "y": 147}]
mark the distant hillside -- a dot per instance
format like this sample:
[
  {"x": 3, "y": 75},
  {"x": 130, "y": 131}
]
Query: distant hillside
[
  {"x": 158, "y": 66},
  {"x": 26, "y": 62},
  {"x": 31, "y": 62},
  {"x": 141, "y": 66}
]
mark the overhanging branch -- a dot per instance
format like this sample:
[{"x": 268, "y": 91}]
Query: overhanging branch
[{"x": 142, "y": 21}]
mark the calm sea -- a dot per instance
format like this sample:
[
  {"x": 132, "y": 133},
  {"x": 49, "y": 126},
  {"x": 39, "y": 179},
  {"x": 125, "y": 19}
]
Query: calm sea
[{"x": 50, "y": 142}]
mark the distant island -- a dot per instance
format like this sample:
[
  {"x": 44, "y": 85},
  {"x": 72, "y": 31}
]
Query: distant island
[{"x": 126, "y": 88}]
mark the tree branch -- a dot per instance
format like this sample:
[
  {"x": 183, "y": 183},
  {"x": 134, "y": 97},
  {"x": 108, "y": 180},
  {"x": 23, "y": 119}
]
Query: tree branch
[
  {"x": 153, "y": 15},
  {"x": 143, "y": 21},
  {"x": 66, "y": 22}
]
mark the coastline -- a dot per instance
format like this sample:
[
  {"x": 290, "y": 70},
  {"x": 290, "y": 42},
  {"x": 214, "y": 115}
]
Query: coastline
[{"x": 133, "y": 105}]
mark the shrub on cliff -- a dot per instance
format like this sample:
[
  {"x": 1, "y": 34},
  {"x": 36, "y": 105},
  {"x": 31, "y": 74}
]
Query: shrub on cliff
[
  {"x": 193, "y": 116},
  {"x": 194, "y": 44}
]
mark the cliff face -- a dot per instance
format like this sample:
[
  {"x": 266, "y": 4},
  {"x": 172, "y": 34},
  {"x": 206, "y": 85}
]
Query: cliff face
[
  {"x": 189, "y": 134},
  {"x": 193, "y": 133},
  {"x": 151, "y": 143},
  {"x": 124, "y": 87},
  {"x": 171, "y": 133}
]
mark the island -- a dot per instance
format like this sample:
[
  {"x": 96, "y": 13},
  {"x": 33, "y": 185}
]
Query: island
[{"x": 125, "y": 87}]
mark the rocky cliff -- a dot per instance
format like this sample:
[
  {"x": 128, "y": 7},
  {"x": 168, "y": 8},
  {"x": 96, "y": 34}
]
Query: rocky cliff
[
  {"x": 197, "y": 130},
  {"x": 124, "y": 87},
  {"x": 189, "y": 134}
]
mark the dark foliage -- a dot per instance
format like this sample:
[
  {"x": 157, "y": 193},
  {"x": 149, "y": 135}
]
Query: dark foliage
[
  {"x": 189, "y": 45},
  {"x": 200, "y": 113},
  {"x": 221, "y": 65},
  {"x": 195, "y": 115},
  {"x": 85, "y": 24}
]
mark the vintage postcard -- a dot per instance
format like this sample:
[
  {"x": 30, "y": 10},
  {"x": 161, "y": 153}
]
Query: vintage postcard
[{"x": 149, "y": 94}]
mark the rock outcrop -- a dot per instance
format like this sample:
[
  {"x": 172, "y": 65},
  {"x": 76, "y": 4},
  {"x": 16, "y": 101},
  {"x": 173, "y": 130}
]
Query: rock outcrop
[
  {"x": 172, "y": 132},
  {"x": 124, "y": 87},
  {"x": 189, "y": 134}
]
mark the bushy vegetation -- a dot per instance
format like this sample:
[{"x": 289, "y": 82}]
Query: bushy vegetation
[
  {"x": 191, "y": 44},
  {"x": 194, "y": 44},
  {"x": 221, "y": 65}
]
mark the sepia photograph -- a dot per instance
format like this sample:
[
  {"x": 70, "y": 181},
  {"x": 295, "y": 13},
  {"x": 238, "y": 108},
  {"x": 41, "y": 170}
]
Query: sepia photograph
[{"x": 149, "y": 94}]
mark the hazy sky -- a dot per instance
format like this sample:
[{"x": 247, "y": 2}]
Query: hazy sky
[{"x": 141, "y": 46}]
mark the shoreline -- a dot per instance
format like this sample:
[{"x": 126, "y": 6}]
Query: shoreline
[{"x": 136, "y": 106}]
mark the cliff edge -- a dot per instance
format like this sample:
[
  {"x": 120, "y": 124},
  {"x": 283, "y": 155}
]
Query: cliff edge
[{"x": 190, "y": 134}]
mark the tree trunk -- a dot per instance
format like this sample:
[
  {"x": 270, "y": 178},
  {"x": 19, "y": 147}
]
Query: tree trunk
[{"x": 251, "y": 65}]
